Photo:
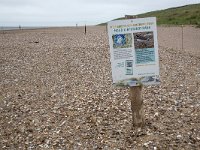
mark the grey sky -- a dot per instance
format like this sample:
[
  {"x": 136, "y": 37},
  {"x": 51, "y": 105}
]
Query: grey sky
[{"x": 70, "y": 12}]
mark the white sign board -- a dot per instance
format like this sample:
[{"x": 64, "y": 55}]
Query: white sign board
[{"x": 134, "y": 51}]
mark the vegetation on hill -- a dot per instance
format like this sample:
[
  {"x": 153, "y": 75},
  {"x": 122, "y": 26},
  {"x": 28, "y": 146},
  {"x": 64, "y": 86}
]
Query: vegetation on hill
[{"x": 184, "y": 15}]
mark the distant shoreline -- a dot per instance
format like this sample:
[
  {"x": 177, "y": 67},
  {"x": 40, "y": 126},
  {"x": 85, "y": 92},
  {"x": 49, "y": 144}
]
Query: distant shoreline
[
  {"x": 22, "y": 28},
  {"x": 34, "y": 28}
]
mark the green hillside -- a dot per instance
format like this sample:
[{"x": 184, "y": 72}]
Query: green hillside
[{"x": 186, "y": 15}]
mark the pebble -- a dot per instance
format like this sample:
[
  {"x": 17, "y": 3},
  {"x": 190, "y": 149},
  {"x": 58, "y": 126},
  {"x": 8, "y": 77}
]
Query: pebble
[{"x": 179, "y": 136}]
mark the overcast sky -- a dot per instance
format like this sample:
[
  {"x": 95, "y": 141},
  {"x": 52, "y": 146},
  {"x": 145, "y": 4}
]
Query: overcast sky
[{"x": 70, "y": 12}]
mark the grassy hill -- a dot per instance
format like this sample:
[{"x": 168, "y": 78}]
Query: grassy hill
[{"x": 186, "y": 15}]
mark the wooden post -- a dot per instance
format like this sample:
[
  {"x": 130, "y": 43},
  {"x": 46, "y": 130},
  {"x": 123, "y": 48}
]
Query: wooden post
[
  {"x": 182, "y": 36},
  {"x": 85, "y": 29},
  {"x": 137, "y": 106}
]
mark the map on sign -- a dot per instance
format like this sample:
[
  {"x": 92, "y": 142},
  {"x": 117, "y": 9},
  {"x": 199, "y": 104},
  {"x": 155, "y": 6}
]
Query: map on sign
[{"x": 134, "y": 51}]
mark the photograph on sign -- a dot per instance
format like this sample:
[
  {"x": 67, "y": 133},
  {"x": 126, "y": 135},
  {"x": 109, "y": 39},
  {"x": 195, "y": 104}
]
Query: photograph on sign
[
  {"x": 134, "y": 51},
  {"x": 122, "y": 40},
  {"x": 144, "y": 47}
]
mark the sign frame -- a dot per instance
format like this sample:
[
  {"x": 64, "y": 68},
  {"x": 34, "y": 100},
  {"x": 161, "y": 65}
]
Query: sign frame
[{"x": 134, "y": 51}]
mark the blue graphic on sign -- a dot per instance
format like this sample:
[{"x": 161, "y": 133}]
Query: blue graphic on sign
[{"x": 119, "y": 39}]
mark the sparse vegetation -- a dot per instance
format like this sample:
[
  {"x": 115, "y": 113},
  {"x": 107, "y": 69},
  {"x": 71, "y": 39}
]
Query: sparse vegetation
[{"x": 184, "y": 15}]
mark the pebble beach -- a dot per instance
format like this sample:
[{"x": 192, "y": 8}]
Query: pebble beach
[{"x": 56, "y": 92}]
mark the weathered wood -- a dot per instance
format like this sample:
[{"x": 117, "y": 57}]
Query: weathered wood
[
  {"x": 137, "y": 106},
  {"x": 85, "y": 29},
  {"x": 182, "y": 36}
]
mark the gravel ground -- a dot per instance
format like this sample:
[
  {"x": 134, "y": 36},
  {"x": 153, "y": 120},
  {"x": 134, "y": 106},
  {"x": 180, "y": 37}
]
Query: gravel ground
[
  {"x": 56, "y": 93},
  {"x": 171, "y": 37}
]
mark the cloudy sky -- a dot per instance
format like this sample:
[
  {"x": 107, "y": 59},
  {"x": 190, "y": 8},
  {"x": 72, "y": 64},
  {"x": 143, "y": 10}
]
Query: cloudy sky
[{"x": 70, "y": 12}]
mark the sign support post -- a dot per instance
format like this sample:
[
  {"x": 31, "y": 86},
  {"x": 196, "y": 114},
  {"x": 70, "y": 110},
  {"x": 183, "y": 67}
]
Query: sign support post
[{"x": 137, "y": 106}]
